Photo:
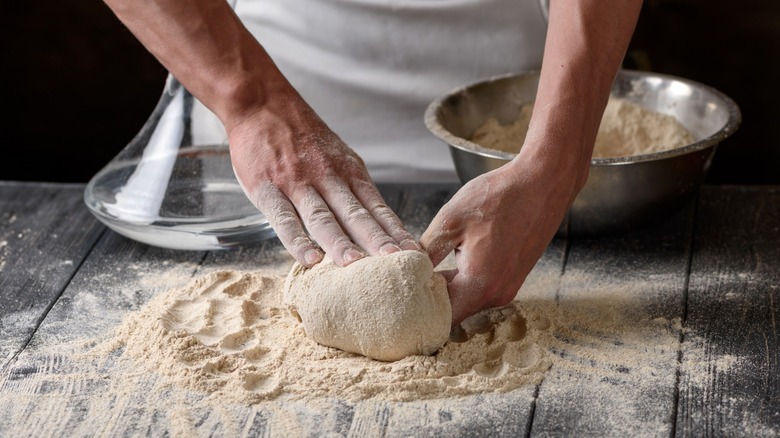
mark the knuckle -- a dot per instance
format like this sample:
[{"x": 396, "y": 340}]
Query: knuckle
[
  {"x": 400, "y": 234},
  {"x": 379, "y": 239},
  {"x": 448, "y": 223},
  {"x": 284, "y": 222},
  {"x": 448, "y": 211},
  {"x": 362, "y": 185},
  {"x": 342, "y": 243},
  {"x": 286, "y": 217},
  {"x": 383, "y": 212},
  {"x": 319, "y": 216},
  {"x": 357, "y": 213},
  {"x": 299, "y": 244}
]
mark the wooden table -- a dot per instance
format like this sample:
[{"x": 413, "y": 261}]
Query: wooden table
[{"x": 713, "y": 271}]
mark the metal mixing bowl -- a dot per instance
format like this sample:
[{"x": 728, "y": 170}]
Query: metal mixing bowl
[{"x": 621, "y": 193}]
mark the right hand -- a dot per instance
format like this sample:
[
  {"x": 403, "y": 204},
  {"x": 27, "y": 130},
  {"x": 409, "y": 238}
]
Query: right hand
[{"x": 314, "y": 190}]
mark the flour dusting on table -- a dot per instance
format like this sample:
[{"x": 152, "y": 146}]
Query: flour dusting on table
[
  {"x": 229, "y": 334},
  {"x": 605, "y": 339}
]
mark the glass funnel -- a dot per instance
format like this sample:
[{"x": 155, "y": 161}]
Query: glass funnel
[{"x": 173, "y": 185}]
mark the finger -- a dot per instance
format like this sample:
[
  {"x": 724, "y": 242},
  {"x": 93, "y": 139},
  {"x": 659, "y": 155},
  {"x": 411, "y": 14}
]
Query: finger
[
  {"x": 282, "y": 216},
  {"x": 469, "y": 289},
  {"x": 357, "y": 220},
  {"x": 463, "y": 301},
  {"x": 466, "y": 296},
  {"x": 437, "y": 241},
  {"x": 448, "y": 274},
  {"x": 369, "y": 196},
  {"x": 324, "y": 228},
  {"x": 475, "y": 287}
]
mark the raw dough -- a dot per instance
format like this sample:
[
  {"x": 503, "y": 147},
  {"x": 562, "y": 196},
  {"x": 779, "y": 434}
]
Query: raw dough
[{"x": 384, "y": 307}]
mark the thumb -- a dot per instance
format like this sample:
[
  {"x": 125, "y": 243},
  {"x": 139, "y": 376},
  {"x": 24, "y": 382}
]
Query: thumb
[
  {"x": 437, "y": 242},
  {"x": 464, "y": 297}
]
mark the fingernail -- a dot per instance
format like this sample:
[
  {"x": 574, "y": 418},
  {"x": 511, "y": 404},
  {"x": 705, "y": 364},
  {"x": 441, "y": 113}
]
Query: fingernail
[
  {"x": 313, "y": 257},
  {"x": 351, "y": 255},
  {"x": 389, "y": 249},
  {"x": 411, "y": 245}
]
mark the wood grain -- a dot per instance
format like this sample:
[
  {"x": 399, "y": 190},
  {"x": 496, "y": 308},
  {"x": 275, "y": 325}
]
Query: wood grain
[
  {"x": 730, "y": 378},
  {"x": 617, "y": 344},
  {"x": 45, "y": 234},
  {"x": 603, "y": 382}
]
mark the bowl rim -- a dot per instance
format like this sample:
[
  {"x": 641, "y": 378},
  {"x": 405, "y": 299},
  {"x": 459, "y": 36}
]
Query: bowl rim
[{"x": 732, "y": 123}]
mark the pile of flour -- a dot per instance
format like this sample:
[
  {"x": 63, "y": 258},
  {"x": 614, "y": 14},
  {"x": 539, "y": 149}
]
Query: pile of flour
[
  {"x": 626, "y": 130},
  {"x": 181, "y": 365},
  {"x": 229, "y": 334}
]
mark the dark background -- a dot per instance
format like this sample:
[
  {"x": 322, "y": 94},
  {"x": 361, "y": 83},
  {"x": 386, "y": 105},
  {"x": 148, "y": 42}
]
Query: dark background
[{"x": 78, "y": 86}]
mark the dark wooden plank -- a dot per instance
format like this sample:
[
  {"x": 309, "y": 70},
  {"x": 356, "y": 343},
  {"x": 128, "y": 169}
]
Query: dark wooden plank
[
  {"x": 120, "y": 275},
  {"x": 392, "y": 194},
  {"x": 71, "y": 396},
  {"x": 730, "y": 378},
  {"x": 419, "y": 203},
  {"x": 616, "y": 334},
  {"x": 45, "y": 233}
]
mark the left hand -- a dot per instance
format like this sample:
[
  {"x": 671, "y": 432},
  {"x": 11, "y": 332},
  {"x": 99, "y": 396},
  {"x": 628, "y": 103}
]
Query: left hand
[{"x": 498, "y": 224}]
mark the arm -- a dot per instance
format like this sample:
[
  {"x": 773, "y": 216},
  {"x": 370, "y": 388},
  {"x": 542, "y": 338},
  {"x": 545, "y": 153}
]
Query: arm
[
  {"x": 300, "y": 174},
  {"x": 500, "y": 223}
]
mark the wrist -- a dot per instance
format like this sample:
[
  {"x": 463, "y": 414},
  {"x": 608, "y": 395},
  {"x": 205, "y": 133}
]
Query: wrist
[
  {"x": 248, "y": 96},
  {"x": 561, "y": 161}
]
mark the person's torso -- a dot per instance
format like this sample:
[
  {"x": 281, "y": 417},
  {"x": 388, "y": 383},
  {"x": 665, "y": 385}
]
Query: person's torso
[{"x": 370, "y": 68}]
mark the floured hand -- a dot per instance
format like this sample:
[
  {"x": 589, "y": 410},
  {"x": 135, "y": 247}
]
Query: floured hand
[
  {"x": 498, "y": 224},
  {"x": 313, "y": 189}
]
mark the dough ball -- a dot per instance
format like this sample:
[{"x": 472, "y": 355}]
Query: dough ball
[{"x": 384, "y": 307}]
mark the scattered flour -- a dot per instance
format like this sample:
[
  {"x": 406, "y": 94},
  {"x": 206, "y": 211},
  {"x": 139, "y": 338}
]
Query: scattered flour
[
  {"x": 221, "y": 355},
  {"x": 230, "y": 334},
  {"x": 626, "y": 130},
  {"x": 3, "y": 253}
]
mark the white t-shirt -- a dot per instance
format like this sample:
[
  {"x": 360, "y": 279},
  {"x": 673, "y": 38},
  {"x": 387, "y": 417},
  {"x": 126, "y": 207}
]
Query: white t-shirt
[{"x": 371, "y": 67}]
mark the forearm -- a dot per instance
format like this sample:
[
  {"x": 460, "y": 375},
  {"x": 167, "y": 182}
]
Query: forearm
[
  {"x": 586, "y": 42},
  {"x": 205, "y": 46}
]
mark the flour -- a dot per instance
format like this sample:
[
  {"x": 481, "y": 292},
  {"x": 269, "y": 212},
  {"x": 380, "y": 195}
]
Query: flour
[
  {"x": 167, "y": 371},
  {"x": 3, "y": 253},
  {"x": 384, "y": 307},
  {"x": 229, "y": 334},
  {"x": 626, "y": 130}
]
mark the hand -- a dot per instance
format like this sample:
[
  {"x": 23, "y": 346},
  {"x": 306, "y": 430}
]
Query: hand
[
  {"x": 313, "y": 189},
  {"x": 498, "y": 224}
]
